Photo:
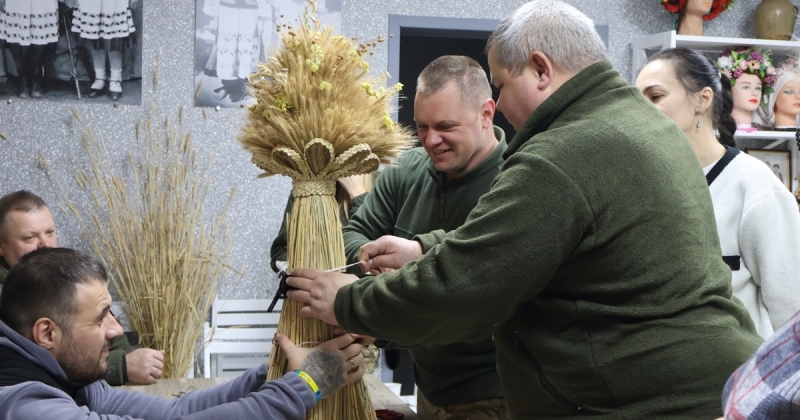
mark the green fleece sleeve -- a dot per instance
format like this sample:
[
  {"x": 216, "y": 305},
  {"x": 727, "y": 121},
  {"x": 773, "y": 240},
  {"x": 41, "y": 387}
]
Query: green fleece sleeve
[
  {"x": 355, "y": 204},
  {"x": 376, "y": 215},
  {"x": 482, "y": 273},
  {"x": 277, "y": 251},
  {"x": 117, "y": 368},
  {"x": 431, "y": 239}
]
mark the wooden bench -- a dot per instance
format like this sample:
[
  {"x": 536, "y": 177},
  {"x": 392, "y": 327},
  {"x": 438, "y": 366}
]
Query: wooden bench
[{"x": 238, "y": 337}]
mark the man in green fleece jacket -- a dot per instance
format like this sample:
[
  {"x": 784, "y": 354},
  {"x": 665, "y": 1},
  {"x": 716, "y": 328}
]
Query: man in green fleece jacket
[
  {"x": 435, "y": 187},
  {"x": 26, "y": 225},
  {"x": 594, "y": 258}
]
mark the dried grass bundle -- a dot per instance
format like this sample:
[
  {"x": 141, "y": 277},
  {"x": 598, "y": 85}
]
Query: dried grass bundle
[
  {"x": 319, "y": 116},
  {"x": 149, "y": 228}
]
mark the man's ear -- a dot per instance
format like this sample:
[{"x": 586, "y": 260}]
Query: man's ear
[
  {"x": 488, "y": 108},
  {"x": 543, "y": 68},
  {"x": 46, "y": 333}
]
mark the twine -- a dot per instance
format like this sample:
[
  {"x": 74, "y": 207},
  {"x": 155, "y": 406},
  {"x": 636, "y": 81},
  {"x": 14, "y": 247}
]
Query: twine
[{"x": 309, "y": 188}]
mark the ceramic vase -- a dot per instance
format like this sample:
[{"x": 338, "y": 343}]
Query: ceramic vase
[{"x": 774, "y": 19}]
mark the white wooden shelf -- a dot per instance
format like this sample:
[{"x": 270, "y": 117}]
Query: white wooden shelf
[
  {"x": 671, "y": 39},
  {"x": 766, "y": 135},
  {"x": 775, "y": 137}
]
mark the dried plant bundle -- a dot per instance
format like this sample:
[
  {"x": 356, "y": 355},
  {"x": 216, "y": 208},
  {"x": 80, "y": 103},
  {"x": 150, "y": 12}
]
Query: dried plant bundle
[
  {"x": 149, "y": 228},
  {"x": 319, "y": 116}
]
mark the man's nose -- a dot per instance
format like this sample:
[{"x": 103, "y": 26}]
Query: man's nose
[
  {"x": 433, "y": 138},
  {"x": 44, "y": 242},
  {"x": 115, "y": 329}
]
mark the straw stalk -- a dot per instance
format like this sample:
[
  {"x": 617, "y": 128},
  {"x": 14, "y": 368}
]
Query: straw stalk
[
  {"x": 148, "y": 226},
  {"x": 319, "y": 116}
]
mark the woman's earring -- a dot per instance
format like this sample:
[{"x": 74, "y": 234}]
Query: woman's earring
[{"x": 698, "y": 123}]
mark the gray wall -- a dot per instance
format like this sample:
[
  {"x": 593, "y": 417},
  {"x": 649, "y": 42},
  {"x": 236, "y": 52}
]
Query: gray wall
[{"x": 32, "y": 126}]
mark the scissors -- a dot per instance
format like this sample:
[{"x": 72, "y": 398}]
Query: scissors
[{"x": 283, "y": 287}]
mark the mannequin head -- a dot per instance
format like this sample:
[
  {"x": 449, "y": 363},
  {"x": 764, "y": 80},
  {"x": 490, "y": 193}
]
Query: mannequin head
[
  {"x": 787, "y": 104},
  {"x": 697, "y": 7},
  {"x": 780, "y": 110},
  {"x": 752, "y": 75},
  {"x": 746, "y": 97},
  {"x": 708, "y": 9},
  {"x": 691, "y": 13}
]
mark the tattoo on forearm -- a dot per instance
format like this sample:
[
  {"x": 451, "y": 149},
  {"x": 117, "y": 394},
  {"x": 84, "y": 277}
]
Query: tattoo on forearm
[{"x": 326, "y": 369}]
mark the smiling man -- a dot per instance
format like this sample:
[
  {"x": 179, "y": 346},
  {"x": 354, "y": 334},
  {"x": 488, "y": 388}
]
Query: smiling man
[
  {"x": 594, "y": 258},
  {"x": 434, "y": 187}
]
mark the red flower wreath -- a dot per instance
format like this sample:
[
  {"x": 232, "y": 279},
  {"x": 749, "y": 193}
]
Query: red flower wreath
[{"x": 719, "y": 6}]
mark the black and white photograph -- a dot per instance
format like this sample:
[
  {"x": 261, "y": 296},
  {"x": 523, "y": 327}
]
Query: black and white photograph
[
  {"x": 778, "y": 161},
  {"x": 69, "y": 50},
  {"x": 232, "y": 36}
]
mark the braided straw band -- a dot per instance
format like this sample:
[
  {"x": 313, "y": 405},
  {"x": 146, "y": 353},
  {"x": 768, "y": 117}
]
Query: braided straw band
[{"x": 308, "y": 188}]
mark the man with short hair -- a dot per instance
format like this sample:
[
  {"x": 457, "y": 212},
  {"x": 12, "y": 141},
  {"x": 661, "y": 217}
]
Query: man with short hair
[
  {"x": 594, "y": 258},
  {"x": 55, "y": 334},
  {"x": 434, "y": 187},
  {"x": 26, "y": 225}
]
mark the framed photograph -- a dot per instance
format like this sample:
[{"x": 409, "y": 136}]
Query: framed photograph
[
  {"x": 778, "y": 161},
  {"x": 70, "y": 50},
  {"x": 231, "y": 37}
]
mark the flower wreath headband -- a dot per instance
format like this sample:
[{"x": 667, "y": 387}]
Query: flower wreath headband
[
  {"x": 717, "y": 7},
  {"x": 737, "y": 61}
]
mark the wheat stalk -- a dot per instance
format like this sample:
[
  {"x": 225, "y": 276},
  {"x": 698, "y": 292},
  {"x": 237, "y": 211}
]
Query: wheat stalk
[
  {"x": 319, "y": 116},
  {"x": 149, "y": 228}
]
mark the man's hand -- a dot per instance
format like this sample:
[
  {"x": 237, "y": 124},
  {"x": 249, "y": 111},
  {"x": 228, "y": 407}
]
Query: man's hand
[
  {"x": 354, "y": 185},
  {"x": 364, "y": 340},
  {"x": 388, "y": 252},
  {"x": 333, "y": 364},
  {"x": 317, "y": 289},
  {"x": 144, "y": 365}
]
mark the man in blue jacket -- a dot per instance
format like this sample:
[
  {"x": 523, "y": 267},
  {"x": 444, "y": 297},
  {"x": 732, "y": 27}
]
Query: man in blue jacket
[{"x": 55, "y": 333}]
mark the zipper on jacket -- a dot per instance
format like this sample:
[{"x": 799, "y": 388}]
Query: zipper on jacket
[{"x": 441, "y": 203}]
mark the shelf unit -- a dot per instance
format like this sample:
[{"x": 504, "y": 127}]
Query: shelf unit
[
  {"x": 777, "y": 137},
  {"x": 670, "y": 39},
  {"x": 650, "y": 44}
]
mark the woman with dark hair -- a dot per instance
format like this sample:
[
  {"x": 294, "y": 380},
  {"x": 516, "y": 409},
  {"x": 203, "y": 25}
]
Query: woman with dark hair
[
  {"x": 757, "y": 219},
  {"x": 692, "y": 13}
]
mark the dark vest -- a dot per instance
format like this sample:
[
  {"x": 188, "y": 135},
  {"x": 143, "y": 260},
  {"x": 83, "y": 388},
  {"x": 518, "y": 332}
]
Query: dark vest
[{"x": 16, "y": 369}]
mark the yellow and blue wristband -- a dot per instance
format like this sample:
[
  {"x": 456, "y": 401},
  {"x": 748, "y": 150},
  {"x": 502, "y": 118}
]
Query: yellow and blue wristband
[{"x": 310, "y": 381}]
